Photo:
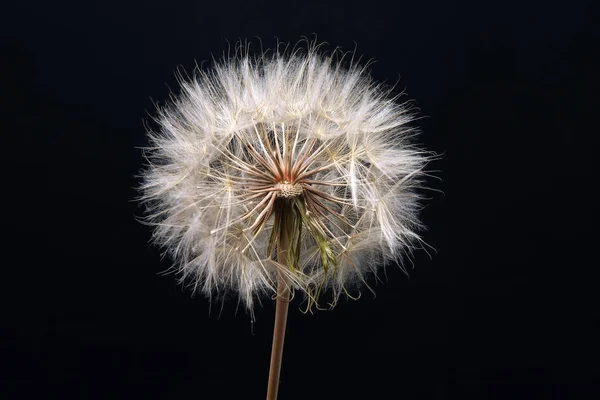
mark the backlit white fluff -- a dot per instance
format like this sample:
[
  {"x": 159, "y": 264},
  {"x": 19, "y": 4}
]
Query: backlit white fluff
[{"x": 282, "y": 129}]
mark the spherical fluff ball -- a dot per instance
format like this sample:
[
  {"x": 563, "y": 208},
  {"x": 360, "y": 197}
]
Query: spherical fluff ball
[{"x": 302, "y": 131}]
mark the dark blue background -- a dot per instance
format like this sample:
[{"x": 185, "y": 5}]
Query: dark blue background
[{"x": 507, "y": 308}]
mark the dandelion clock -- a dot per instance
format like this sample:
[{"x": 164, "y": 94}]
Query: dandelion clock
[{"x": 287, "y": 172}]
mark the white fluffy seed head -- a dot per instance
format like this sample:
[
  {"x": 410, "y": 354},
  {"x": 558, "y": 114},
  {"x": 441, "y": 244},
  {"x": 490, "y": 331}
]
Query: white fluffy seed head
[{"x": 301, "y": 127}]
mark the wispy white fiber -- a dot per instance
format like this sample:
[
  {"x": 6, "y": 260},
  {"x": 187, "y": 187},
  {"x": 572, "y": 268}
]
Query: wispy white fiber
[{"x": 301, "y": 125}]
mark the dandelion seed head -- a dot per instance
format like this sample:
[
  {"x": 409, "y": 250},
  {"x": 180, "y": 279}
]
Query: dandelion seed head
[{"x": 297, "y": 131}]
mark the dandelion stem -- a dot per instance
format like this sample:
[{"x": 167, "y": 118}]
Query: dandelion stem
[{"x": 281, "y": 308}]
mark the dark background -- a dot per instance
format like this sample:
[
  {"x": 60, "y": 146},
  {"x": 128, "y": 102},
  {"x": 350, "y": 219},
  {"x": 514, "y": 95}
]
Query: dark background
[{"x": 507, "y": 308}]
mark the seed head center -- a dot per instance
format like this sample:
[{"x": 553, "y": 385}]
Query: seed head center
[{"x": 289, "y": 190}]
